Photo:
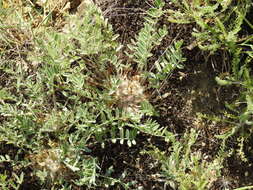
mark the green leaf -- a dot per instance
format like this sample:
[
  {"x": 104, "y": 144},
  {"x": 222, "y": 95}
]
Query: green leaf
[{"x": 223, "y": 82}]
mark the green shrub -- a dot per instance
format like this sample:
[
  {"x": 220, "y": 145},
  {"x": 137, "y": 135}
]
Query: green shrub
[{"x": 71, "y": 92}]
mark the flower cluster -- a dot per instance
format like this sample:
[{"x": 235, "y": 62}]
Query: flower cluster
[{"x": 129, "y": 94}]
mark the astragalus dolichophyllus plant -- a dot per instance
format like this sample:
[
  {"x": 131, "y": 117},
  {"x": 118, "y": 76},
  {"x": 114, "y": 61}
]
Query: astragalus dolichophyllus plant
[
  {"x": 76, "y": 92},
  {"x": 183, "y": 168}
]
